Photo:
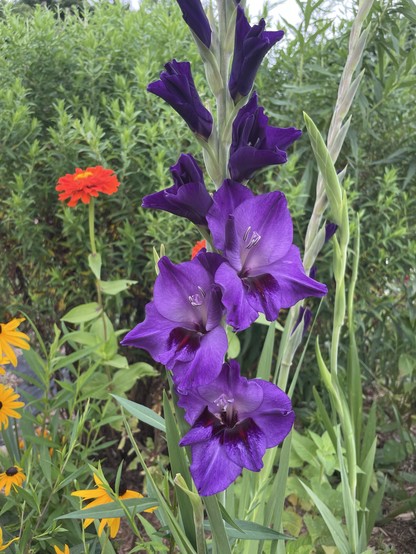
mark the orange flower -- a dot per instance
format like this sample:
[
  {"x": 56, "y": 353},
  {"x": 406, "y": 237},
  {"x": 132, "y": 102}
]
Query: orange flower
[
  {"x": 85, "y": 183},
  {"x": 101, "y": 496},
  {"x": 198, "y": 246}
]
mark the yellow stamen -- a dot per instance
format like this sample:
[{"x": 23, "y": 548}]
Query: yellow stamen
[{"x": 83, "y": 175}]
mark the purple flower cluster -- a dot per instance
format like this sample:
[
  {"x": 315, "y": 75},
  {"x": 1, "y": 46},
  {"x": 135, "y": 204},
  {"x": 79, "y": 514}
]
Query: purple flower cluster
[{"x": 253, "y": 267}]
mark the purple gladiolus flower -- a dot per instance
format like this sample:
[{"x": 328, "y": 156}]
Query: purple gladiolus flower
[
  {"x": 255, "y": 144},
  {"x": 188, "y": 197},
  {"x": 194, "y": 15},
  {"x": 251, "y": 44},
  {"x": 233, "y": 420},
  {"x": 263, "y": 271},
  {"x": 330, "y": 230},
  {"x": 305, "y": 315},
  {"x": 183, "y": 326},
  {"x": 177, "y": 88}
]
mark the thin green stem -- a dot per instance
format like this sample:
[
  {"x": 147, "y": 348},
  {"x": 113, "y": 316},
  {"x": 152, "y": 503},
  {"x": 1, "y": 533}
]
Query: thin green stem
[{"x": 91, "y": 219}]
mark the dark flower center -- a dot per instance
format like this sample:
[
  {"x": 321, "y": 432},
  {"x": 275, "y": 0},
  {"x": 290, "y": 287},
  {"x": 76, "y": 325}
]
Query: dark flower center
[
  {"x": 1, "y": 405},
  {"x": 184, "y": 339},
  {"x": 122, "y": 487},
  {"x": 12, "y": 471}
]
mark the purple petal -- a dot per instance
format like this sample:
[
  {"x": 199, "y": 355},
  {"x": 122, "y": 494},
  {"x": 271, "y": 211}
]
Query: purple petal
[
  {"x": 176, "y": 86},
  {"x": 250, "y": 46},
  {"x": 206, "y": 364},
  {"x": 202, "y": 430},
  {"x": 194, "y": 15},
  {"x": 225, "y": 200},
  {"x": 182, "y": 293},
  {"x": 265, "y": 219},
  {"x": 248, "y": 159},
  {"x": 186, "y": 170},
  {"x": 282, "y": 137},
  {"x": 330, "y": 230},
  {"x": 211, "y": 468},
  {"x": 264, "y": 295},
  {"x": 255, "y": 144},
  {"x": 239, "y": 313},
  {"x": 275, "y": 417},
  {"x": 305, "y": 316},
  {"x": 245, "y": 445},
  {"x": 294, "y": 284},
  {"x": 247, "y": 395},
  {"x": 152, "y": 334},
  {"x": 191, "y": 201}
]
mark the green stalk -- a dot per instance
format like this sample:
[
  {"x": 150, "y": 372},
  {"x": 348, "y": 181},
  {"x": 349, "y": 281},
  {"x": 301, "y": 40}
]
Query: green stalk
[
  {"x": 225, "y": 104},
  {"x": 91, "y": 229}
]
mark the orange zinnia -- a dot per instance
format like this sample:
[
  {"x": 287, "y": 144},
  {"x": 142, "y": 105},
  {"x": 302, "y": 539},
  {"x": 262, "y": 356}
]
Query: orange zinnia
[
  {"x": 85, "y": 183},
  {"x": 198, "y": 246}
]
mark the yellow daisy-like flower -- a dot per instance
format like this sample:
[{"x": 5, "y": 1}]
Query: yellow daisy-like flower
[
  {"x": 101, "y": 496},
  {"x": 12, "y": 477},
  {"x": 8, "y": 405},
  {"x": 64, "y": 551},
  {"x": 10, "y": 337},
  {"x": 4, "y": 545}
]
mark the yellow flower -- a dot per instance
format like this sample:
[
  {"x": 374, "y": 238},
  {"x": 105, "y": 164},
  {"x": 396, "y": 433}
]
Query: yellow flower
[
  {"x": 8, "y": 405},
  {"x": 101, "y": 496},
  {"x": 64, "y": 551},
  {"x": 12, "y": 477},
  {"x": 10, "y": 337},
  {"x": 4, "y": 545}
]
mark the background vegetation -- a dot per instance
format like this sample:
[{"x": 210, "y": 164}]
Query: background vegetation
[{"x": 73, "y": 94}]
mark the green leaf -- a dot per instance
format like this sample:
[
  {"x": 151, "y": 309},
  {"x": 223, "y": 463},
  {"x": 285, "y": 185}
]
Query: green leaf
[
  {"x": 233, "y": 343},
  {"x": 327, "y": 169},
  {"x": 265, "y": 363},
  {"x": 251, "y": 531},
  {"x": 94, "y": 261},
  {"x": 112, "y": 509},
  {"x": 143, "y": 369},
  {"x": 119, "y": 362},
  {"x": 216, "y": 525},
  {"x": 114, "y": 287},
  {"x": 83, "y": 313},
  {"x": 179, "y": 464},
  {"x": 64, "y": 361},
  {"x": 142, "y": 413},
  {"x": 332, "y": 523}
]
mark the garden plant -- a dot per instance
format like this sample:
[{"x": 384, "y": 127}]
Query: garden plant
[{"x": 160, "y": 398}]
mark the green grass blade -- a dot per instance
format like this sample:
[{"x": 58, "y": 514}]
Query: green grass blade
[
  {"x": 179, "y": 464},
  {"x": 142, "y": 413},
  {"x": 334, "y": 527},
  {"x": 219, "y": 535},
  {"x": 266, "y": 357}
]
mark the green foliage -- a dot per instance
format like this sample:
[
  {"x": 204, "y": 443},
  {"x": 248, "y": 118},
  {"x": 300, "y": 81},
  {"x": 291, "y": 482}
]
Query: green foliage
[{"x": 87, "y": 105}]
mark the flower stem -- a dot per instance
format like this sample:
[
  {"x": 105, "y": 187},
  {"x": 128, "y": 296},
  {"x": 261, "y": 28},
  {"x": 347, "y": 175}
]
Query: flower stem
[
  {"x": 91, "y": 218},
  {"x": 91, "y": 228}
]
